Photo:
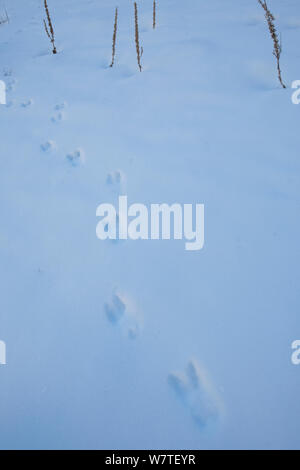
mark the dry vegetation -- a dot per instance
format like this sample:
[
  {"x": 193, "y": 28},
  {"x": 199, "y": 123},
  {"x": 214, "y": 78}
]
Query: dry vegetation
[
  {"x": 49, "y": 30},
  {"x": 114, "y": 38},
  {"x": 276, "y": 42}
]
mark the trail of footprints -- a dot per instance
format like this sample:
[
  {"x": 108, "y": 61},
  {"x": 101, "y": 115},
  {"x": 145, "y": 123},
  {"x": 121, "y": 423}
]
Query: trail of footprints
[
  {"x": 11, "y": 83},
  {"x": 122, "y": 313},
  {"x": 192, "y": 387},
  {"x": 74, "y": 158}
]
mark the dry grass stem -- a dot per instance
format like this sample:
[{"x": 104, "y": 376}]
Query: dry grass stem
[{"x": 49, "y": 30}]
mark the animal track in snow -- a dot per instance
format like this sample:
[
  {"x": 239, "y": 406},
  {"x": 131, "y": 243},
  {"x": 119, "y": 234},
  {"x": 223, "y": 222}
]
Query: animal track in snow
[
  {"x": 197, "y": 394},
  {"x": 59, "y": 115},
  {"x": 121, "y": 312},
  {"x": 10, "y": 86},
  {"x": 60, "y": 106},
  {"x": 76, "y": 158},
  {"x": 27, "y": 104},
  {"x": 115, "y": 309},
  {"x": 7, "y": 72}
]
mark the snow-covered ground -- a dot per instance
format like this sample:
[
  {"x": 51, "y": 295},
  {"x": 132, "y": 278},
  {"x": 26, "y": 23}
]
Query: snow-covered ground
[{"x": 141, "y": 344}]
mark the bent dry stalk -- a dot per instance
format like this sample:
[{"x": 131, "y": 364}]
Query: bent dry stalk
[
  {"x": 50, "y": 31},
  {"x": 277, "y": 44}
]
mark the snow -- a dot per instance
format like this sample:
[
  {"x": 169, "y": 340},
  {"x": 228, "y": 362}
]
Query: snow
[{"x": 95, "y": 330}]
